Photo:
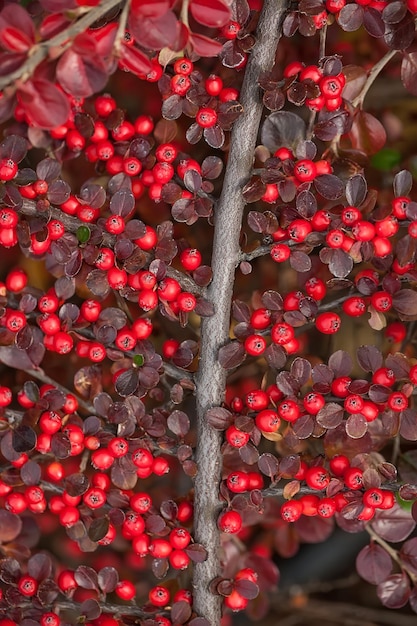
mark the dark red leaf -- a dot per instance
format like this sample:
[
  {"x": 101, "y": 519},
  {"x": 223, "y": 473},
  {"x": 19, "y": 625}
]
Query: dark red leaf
[
  {"x": 180, "y": 612},
  {"x": 45, "y": 105},
  {"x": 367, "y": 133},
  {"x": 211, "y": 13},
  {"x": 17, "y": 31},
  {"x": 403, "y": 180},
  {"x": 196, "y": 552},
  {"x": 24, "y": 438},
  {"x": 330, "y": 416},
  {"x": 204, "y": 46},
  {"x": 179, "y": 423},
  {"x": 409, "y": 72},
  {"x": 408, "y": 427},
  {"x": 80, "y": 75}
]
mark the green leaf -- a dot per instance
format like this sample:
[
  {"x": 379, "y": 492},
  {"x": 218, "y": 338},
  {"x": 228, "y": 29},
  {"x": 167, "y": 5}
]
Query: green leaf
[{"x": 386, "y": 159}]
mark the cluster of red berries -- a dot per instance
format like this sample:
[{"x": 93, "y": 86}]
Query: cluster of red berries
[
  {"x": 56, "y": 337},
  {"x": 350, "y": 483},
  {"x": 327, "y": 88},
  {"x": 235, "y": 600}
]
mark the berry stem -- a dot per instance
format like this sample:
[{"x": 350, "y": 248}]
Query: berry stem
[{"x": 211, "y": 378}]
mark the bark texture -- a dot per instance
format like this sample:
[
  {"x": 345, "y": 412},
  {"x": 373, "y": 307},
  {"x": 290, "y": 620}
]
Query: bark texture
[{"x": 211, "y": 378}]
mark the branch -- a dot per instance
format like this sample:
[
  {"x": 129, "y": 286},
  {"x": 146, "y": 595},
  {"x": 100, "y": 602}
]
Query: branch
[
  {"x": 41, "y": 51},
  {"x": 40, "y": 375},
  {"x": 211, "y": 378}
]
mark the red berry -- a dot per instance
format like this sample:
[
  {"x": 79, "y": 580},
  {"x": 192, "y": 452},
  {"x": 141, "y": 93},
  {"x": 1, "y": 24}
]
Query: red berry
[
  {"x": 236, "y": 438},
  {"x": 255, "y": 345},
  {"x": 267, "y": 421},
  {"x": 328, "y": 323},
  {"x": 291, "y": 511},
  {"x": 159, "y": 596},
  {"x": 317, "y": 477},
  {"x": 206, "y": 117},
  {"x": 230, "y": 522}
]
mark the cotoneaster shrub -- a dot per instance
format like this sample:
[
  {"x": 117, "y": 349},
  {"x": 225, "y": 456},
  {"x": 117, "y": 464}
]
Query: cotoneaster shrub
[{"x": 198, "y": 217}]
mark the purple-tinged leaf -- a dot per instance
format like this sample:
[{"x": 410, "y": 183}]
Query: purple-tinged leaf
[
  {"x": 301, "y": 370},
  {"x": 231, "y": 355},
  {"x": 373, "y": 564},
  {"x": 350, "y": 17},
  {"x": 23, "y": 438},
  {"x": 405, "y": 303},
  {"x": 86, "y": 577},
  {"x": 329, "y": 186},
  {"x": 330, "y": 416},
  {"x": 180, "y": 612},
  {"x": 403, "y": 181},
  {"x": 10, "y": 527},
  {"x": 196, "y": 552},
  {"x": 219, "y": 418},
  {"x": 400, "y": 36},
  {"x": 178, "y": 423},
  {"x": 373, "y": 22},
  {"x": 356, "y": 189},
  {"x": 356, "y": 426},
  {"x": 369, "y": 358},
  {"x": 282, "y": 128},
  {"x": 408, "y": 427},
  {"x": 268, "y": 464},
  {"x": 394, "y": 525},
  {"x": 394, "y": 591},
  {"x": 300, "y": 261}
]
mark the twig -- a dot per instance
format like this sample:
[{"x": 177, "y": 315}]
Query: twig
[
  {"x": 211, "y": 378},
  {"x": 121, "y": 28},
  {"x": 377, "y": 68},
  {"x": 40, "y": 375},
  {"x": 40, "y": 51}
]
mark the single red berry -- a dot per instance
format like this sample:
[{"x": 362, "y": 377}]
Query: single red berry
[
  {"x": 289, "y": 410},
  {"x": 159, "y": 596},
  {"x": 255, "y": 345},
  {"x": 257, "y": 400},
  {"x": 397, "y": 401},
  {"x": 328, "y": 323},
  {"x": 315, "y": 288},
  {"x": 268, "y": 421},
  {"x": 27, "y": 585},
  {"x": 354, "y": 306},
  {"x": 317, "y": 477},
  {"x": 125, "y": 590},
  {"x": 230, "y": 522},
  {"x": 291, "y": 510},
  {"x": 280, "y": 252},
  {"x": 353, "y": 478},
  {"x": 236, "y": 438},
  {"x": 326, "y": 508},
  {"x": 206, "y": 117},
  {"x": 339, "y": 464}
]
